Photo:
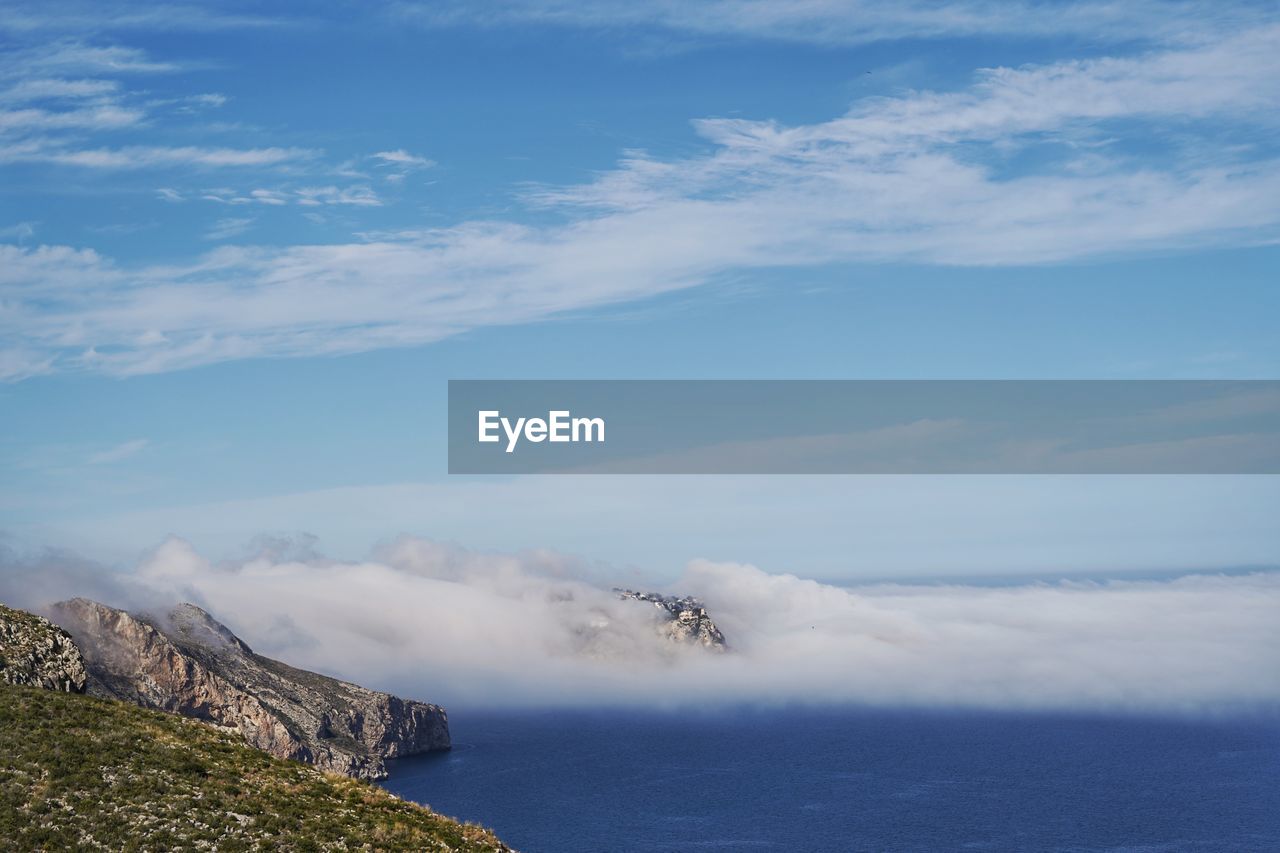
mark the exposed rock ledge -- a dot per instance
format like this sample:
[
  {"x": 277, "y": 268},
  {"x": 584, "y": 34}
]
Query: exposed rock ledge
[
  {"x": 37, "y": 653},
  {"x": 191, "y": 664},
  {"x": 682, "y": 620}
]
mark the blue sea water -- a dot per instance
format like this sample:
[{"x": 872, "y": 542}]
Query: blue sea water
[{"x": 851, "y": 780}]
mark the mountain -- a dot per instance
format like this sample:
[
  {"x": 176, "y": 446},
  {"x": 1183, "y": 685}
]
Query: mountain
[
  {"x": 82, "y": 773},
  {"x": 682, "y": 620},
  {"x": 188, "y": 663},
  {"x": 35, "y": 652}
]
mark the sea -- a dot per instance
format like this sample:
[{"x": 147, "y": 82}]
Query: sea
[{"x": 815, "y": 780}]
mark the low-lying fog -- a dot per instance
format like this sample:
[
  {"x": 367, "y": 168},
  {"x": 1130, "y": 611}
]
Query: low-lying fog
[{"x": 441, "y": 623}]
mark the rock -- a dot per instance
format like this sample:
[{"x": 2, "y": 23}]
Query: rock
[
  {"x": 191, "y": 664},
  {"x": 37, "y": 653},
  {"x": 681, "y": 620}
]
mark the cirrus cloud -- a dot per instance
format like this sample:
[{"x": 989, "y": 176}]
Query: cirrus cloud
[{"x": 1159, "y": 151}]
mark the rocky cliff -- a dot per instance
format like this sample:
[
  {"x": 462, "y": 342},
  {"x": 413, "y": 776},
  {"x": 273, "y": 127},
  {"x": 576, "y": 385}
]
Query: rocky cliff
[
  {"x": 188, "y": 663},
  {"x": 682, "y": 620},
  {"x": 37, "y": 653}
]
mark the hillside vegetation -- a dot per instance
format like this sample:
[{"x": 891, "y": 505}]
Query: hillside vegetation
[{"x": 77, "y": 772}]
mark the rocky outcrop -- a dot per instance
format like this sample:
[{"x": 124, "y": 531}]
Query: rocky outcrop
[
  {"x": 681, "y": 620},
  {"x": 37, "y": 653},
  {"x": 189, "y": 663}
]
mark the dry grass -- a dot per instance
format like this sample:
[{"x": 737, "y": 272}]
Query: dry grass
[{"x": 84, "y": 773}]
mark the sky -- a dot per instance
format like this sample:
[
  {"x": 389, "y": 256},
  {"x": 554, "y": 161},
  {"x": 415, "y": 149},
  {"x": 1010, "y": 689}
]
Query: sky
[{"x": 244, "y": 247}]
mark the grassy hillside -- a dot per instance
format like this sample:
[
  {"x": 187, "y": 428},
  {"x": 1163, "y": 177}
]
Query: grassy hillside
[{"x": 83, "y": 773}]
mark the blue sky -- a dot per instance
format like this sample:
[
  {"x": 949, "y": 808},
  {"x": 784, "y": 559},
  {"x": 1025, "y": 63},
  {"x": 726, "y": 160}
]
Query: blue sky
[{"x": 242, "y": 250}]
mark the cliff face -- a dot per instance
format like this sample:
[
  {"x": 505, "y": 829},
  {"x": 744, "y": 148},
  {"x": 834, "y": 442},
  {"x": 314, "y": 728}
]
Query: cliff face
[
  {"x": 681, "y": 620},
  {"x": 37, "y": 653},
  {"x": 189, "y": 663}
]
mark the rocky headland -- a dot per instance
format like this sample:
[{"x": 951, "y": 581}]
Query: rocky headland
[
  {"x": 186, "y": 662},
  {"x": 681, "y": 620},
  {"x": 97, "y": 772}
]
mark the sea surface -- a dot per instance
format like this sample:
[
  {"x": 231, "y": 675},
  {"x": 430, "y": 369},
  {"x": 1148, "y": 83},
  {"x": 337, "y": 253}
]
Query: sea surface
[{"x": 850, "y": 780}]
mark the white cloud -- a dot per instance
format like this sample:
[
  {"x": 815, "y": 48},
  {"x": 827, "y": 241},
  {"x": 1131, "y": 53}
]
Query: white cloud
[
  {"x": 90, "y": 118},
  {"x": 17, "y": 364},
  {"x": 398, "y": 165},
  {"x": 852, "y": 22},
  {"x": 189, "y": 104},
  {"x": 925, "y": 177},
  {"x": 54, "y": 270},
  {"x": 828, "y": 22},
  {"x": 439, "y": 622},
  {"x": 403, "y": 158},
  {"x": 361, "y": 196},
  {"x": 44, "y": 103},
  {"x": 269, "y": 197},
  {"x": 39, "y": 88},
  {"x": 208, "y": 99},
  {"x": 119, "y": 452},
  {"x": 53, "y": 115},
  {"x": 71, "y": 56},
  {"x": 79, "y": 16},
  {"x": 358, "y": 195},
  {"x": 21, "y": 231},
  {"x": 151, "y": 156},
  {"x": 226, "y": 228}
]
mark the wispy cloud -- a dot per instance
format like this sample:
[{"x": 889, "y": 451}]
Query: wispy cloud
[
  {"x": 122, "y": 227},
  {"x": 403, "y": 158},
  {"x": 72, "y": 56},
  {"x": 399, "y": 164},
  {"x": 1153, "y": 151},
  {"x": 148, "y": 156},
  {"x": 924, "y": 177},
  {"x": 46, "y": 117},
  {"x": 827, "y": 22},
  {"x": 105, "y": 117},
  {"x": 358, "y": 195},
  {"x": 17, "y": 363},
  {"x": 851, "y": 22},
  {"x": 22, "y": 231},
  {"x": 226, "y": 228},
  {"x": 38, "y": 88},
  {"x": 79, "y": 16},
  {"x": 119, "y": 452},
  {"x": 38, "y": 107}
]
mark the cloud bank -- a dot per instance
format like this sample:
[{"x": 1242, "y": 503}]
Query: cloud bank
[{"x": 440, "y": 622}]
